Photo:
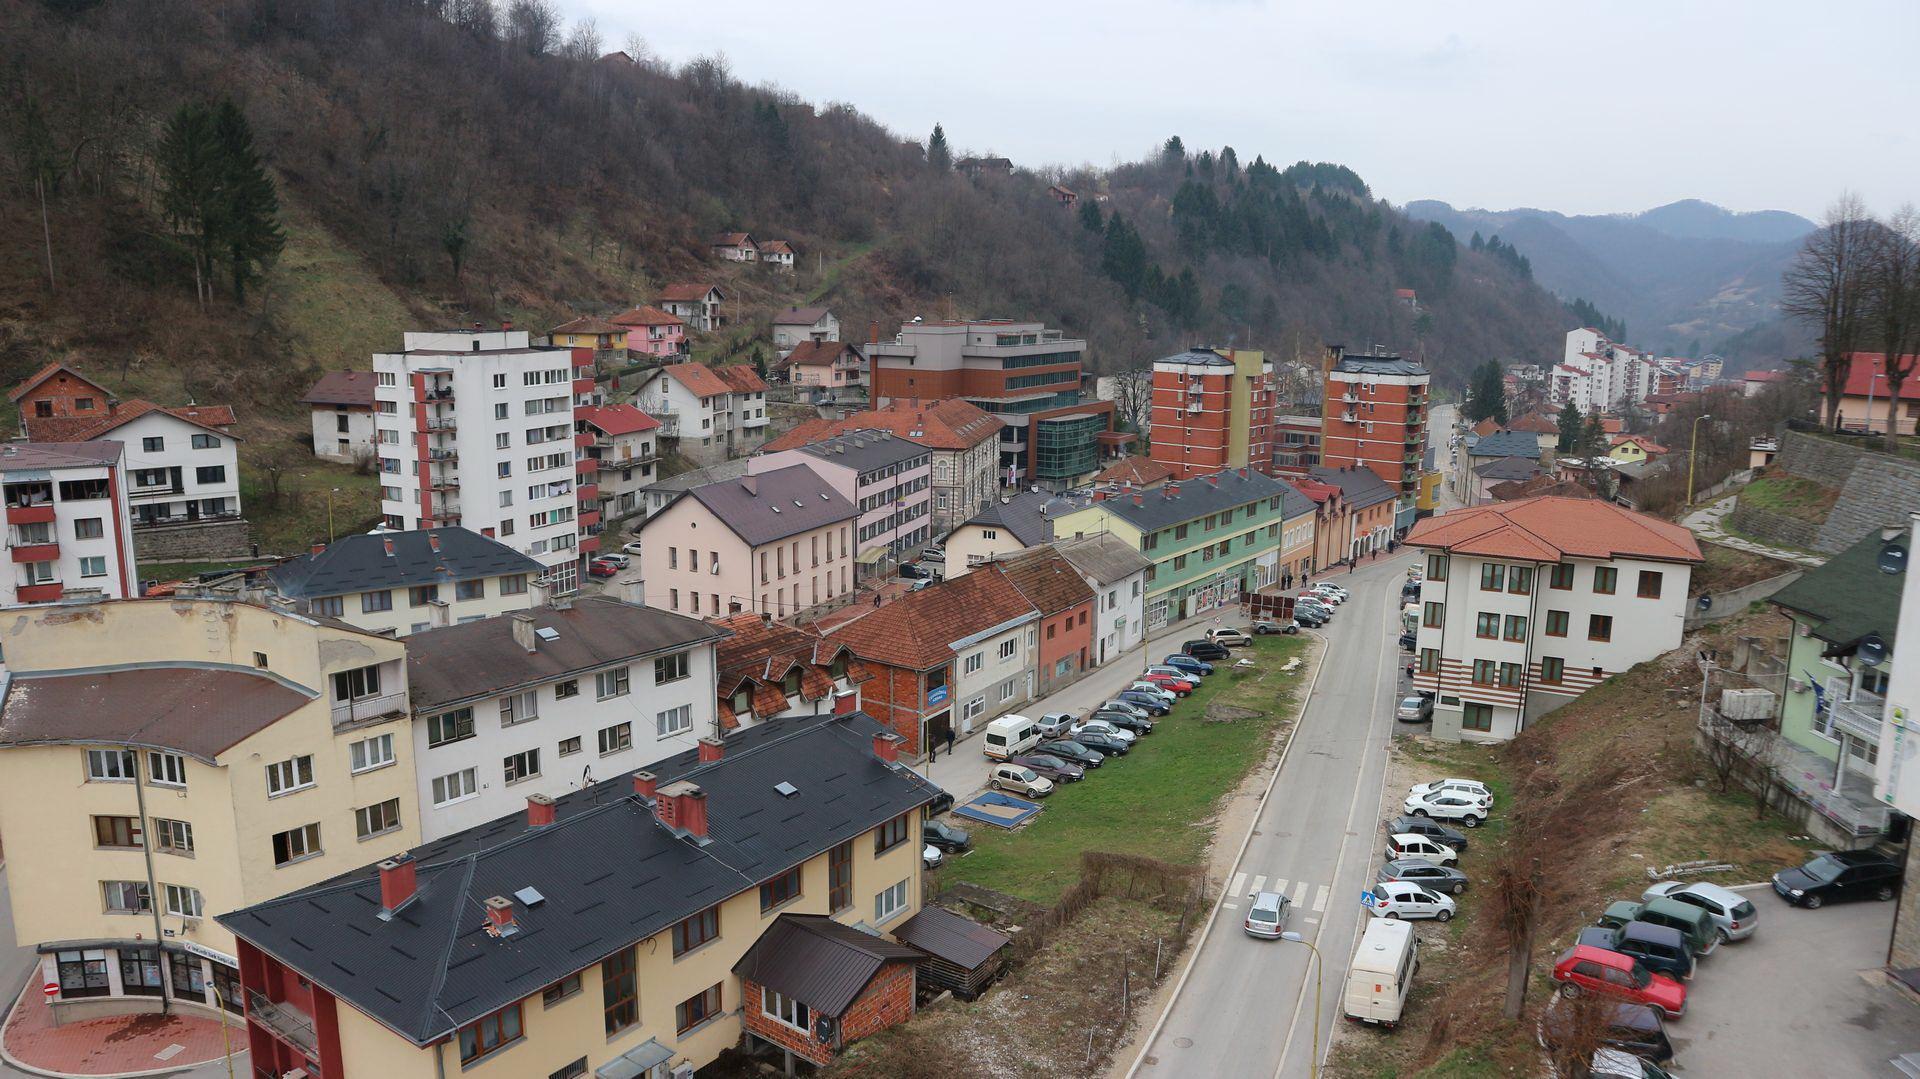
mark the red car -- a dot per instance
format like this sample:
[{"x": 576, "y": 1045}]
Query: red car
[
  {"x": 1586, "y": 969},
  {"x": 598, "y": 568},
  {"x": 1170, "y": 683}
]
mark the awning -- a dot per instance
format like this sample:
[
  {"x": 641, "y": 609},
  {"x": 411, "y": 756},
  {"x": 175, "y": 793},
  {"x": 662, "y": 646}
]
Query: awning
[
  {"x": 870, "y": 556},
  {"x": 635, "y": 1062}
]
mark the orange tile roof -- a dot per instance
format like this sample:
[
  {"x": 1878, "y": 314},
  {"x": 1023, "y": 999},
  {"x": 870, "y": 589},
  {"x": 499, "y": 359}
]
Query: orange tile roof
[
  {"x": 945, "y": 425},
  {"x": 215, "y": 418},
  {"x": 1535, "y": 423},
  {"x": 1486, "y": 427},
  {"x": 645, "y": 315},
  {"x": 1046, "y": 578},
  {"x": 685, "y": 292},
  {"x": 741, "y": 379},
  {"x": 1139, "y": 471},
  {"x": 697, "y": 377},
  {"x": 1646, "y": 444},
  {"x": 616, "y": 419},
  {"x": 587, "y": 324},
  {"x": 913, "y": 631},
  {"x": 34, "y": 380},
  {"x": 1554, "y": 528}
]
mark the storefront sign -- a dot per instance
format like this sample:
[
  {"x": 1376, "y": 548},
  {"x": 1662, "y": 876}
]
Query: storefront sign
[{"x": 205, "y": 952}]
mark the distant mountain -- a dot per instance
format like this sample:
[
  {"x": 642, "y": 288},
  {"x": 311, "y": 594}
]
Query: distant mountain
[{"x": 1687, "y": 277}]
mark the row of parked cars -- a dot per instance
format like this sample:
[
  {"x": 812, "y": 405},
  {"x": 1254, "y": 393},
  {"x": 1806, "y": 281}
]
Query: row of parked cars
[{"x": 1315, "y": 605}]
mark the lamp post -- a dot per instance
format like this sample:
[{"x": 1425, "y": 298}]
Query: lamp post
[
  {"x": 1692, "y": 441},
  {"x": 1313, "y": 1065},
  {"x": 331, "y": 491}
]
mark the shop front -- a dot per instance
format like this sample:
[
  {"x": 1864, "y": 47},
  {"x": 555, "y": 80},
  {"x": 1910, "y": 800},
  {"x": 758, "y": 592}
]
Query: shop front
[{"x": 99, "y": 978}]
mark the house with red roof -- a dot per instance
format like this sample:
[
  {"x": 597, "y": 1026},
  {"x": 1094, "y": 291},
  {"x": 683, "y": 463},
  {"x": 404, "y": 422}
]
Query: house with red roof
[
  {"x": 622, "y": 441},
  {"x": 778, "y": 254},
  {"x": 734, "y": 246},
  {"x": 696, "y": 303},
  {"x": 709, "y": 413},
  {"x": 964, "y": 439},
  {"x": 768, "y": 669},
  {"x": 1866, "y": 400},
  {"x": 652, "y": 332},
  {"x": 1528, "y": 604},
  {"x": 59, "y": 390},
  {"x": 341, "y": 404},
  {"x": 822, "y": 370}
]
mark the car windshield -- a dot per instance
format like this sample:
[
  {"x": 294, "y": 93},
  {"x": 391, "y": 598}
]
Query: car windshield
[
  {"x": 1410, "y": 702},
  {"x": 1824, "y": 868},
  {"x": 1641, "y": 978},
  {"x": 1027, "y": 774}
]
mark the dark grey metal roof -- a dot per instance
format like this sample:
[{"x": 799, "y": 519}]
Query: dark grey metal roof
[
  {"x": 685, "y": 481},
  {"x": 1196, "y": 496},
  {"x": 18, "y": 456},
  {"x": 946, "y": 935},
  {"x": 1379, "y": 365},
  {"x": 818, "y": 961},
  {"x": 1508, "y": 468},
  {"x": 1028, "y": 515},
  {"x": 773, "y": 505},
  {"x": 1293, "y": 503},
  {"x": 420, "y": 556},
  {"x": 1359, "y": 486},
  {"x": 1203, "y": 357},
  {"x": 864, "y": 451},
  {"x": 1507, "y": 444},
  {"x": 612, "y": 875}
]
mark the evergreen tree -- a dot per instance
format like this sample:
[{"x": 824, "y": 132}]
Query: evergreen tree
[
  {"x": 1593, "y": 437},
  {"x": 188, "y": 160},
  {"x": 939, "y": 155},
  {"x": 216, "y": 191},
  {"x": 250, "y": 212},
  {"x": 1090, "y": 216},
  {"x": 1123, "y": 256},
  {"x": 1174, "y": 150},
  {"x": 1229, "y": 163},
  {"x": 1487, "y": 394},
  {"x": 1569, "y": 423},
  {"x": 1234, "y": 304},
  {"x": 1476, "y": 243}
]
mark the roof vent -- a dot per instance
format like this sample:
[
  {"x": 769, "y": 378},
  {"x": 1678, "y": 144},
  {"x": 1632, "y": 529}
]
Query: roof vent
[
  {"x": 547, "y": 633},
  {"x": 785, "y": 789}
]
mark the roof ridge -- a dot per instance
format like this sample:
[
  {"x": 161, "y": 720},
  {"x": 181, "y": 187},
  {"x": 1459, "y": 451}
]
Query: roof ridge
[{"x": 444, "y": 964}]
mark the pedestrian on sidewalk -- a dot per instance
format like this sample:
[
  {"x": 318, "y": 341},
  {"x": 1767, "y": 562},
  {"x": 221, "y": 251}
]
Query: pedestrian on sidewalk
[{"x": 949, "y": 741}]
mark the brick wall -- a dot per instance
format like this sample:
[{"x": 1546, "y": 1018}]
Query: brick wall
[
  {"x": 886, "y": 1001},
  {"x": 892, "y": 696},
  {"x": 758, "y": 1022}
]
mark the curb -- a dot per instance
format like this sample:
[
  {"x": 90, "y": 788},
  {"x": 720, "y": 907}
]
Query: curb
[
  {"x": 1253, "y": 825},
  {"x": 16, "y": 1062}
]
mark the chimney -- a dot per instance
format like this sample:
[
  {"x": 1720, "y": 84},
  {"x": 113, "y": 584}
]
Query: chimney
[
  {"x": 522, "y": 625},
  {"x": 398, "y": 880},
  {"x": 751, "y": 485},
  {"x": 886, "y": 746},
  {"x": 873, "y": 332},
  {"x": 634, "y": 592},
  {"x": 846, "y": 702},
  {"x": 1100, "y": 495},
  {"x": 476, "y": 327},
  {"x": 433, "y": 541},
  {"x": 1172, "y": 490},
  {"x": 539, "y": 591},
  {"x": 682, "y": 806},
  {"x": 1139, "y": 499},
  {"x": 539, "y": 811},
  {"x": 500, "y": 921},
  {"x": 711, "y": 749},
  {"x": 644, "y": 784},
  {"x": 1243, "y": 474},
  {"x": 318, "y": 549}
]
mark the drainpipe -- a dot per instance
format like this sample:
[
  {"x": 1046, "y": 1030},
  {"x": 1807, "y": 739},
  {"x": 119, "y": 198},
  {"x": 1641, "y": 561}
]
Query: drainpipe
[
  {"x": 154, "y": 898},
  {"x": 1526, "y": 666}
]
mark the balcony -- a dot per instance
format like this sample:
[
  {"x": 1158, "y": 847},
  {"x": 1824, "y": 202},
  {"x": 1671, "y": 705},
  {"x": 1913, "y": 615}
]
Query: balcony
[
  {"x": 1855, "y": 712},
  {"x": 36, "y": 552},
  {"x": 443, "y": 485},
  {"x": 440, "y": 423},
  {"x": 584, "y": 440},
  {"x": 589, "y": 545},
  {"x": 1349, "y": 416},
  {"x": 585, "y": 465},
  {"x": 588, "y": 492},
  {"x": 360, "y": 709},
  {"x": 582, "y": 386},
  {"x": 44, "y": 592},
  {"x": 30, "y": 515},
  {"x": 283, "y": 1021},
  {"x": 589, "y": 519},
  {"x": 443, "y": 457}
]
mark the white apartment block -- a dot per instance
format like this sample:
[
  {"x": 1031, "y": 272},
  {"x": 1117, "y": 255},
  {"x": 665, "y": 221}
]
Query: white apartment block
[
  {"x": 1528, "y": 604},
  {"x": 1598, "y": 375},
  {"x": 623, "y": 444},
  {"x": 476, "y": 429},
  {"x": 711, "y": 413},
  {"x": 69, "y": 529},
  {"x": 550, "y": 700},
  {"x": 179, "y": 470},
  {"x": 1118, "y": 576}
]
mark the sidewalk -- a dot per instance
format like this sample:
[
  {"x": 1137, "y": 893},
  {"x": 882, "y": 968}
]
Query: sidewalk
[
  {"x": 1705, "y": 523},
  {"x": 145, "y": 1044}
]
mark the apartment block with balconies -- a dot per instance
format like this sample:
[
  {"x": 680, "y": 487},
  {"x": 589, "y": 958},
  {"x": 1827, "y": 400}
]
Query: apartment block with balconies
[
  {"x": 1213, "y": 409},
  {"x": 887, "y": 477},
  {"x": 68, "y": 524},
  {"x": 1374, "y": 414}
]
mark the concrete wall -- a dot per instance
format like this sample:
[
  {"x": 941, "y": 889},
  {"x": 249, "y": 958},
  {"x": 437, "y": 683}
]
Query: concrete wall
[
  {"x": 1734, "y": 601},
  {"x": 1876, "y": 491}
]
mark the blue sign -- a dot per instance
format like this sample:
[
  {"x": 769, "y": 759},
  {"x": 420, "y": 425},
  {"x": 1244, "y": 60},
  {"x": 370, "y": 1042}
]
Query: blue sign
[
  {"x": 936, "y": 695},
  {"x": 1366, "y": 899}
]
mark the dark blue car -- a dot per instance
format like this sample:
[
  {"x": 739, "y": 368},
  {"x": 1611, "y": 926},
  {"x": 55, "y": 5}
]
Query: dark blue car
[
  {"x": 1187, "y": 663},
  {"x": 1153, "y": 705}
]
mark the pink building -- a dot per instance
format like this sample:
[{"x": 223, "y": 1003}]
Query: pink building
[
  {"x": 652, "y": 332},
  {"x": 889, "y": 478},
  {"x": 824, "y": 368}
]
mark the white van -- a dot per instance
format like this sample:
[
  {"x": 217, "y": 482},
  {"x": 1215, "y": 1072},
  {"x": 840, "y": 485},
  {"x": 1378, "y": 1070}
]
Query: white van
[
  {"x": 1010, "y": 736},
  {"x": 1381, "y": 974}
]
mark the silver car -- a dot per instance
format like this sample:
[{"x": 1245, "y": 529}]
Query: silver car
[
  {"x": 1732, "y": 913},
  {"x": 1267, "y": 917}
]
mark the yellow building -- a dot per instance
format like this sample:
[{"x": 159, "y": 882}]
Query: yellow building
[
  {"x": 1635, "y": 449},
  {"x": 588, "y": 332},
  {"x": 163, "y": 760},
  {"x": 641, "y": 925},
  {"x": 1429, "y": 497}
]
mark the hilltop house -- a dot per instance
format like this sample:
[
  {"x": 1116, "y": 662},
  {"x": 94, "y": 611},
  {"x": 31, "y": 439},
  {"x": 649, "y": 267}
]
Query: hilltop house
[
  {"x": 712, "y": 414},
  {"x": 697, "y": 304},
  {"x": 342, "y": 407},
  {"x": 735, "y": 246},
  {"x": 796, "y": 326},
  {"x": 652, "y": 332},
  {"x": 778, "y": 254}
]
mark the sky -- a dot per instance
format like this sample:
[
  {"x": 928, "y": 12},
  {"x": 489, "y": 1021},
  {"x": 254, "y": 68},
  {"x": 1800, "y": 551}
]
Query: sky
[{"x": 1587, "y": 108}]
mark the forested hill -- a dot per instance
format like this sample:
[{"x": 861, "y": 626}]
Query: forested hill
[{"x": 446, "y": 161}]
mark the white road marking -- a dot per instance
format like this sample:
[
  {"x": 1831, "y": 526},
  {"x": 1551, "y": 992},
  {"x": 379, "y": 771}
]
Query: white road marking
[
  {"x": 1300, "y": 892},
  {"x": 1260, "y": 883},
  {"x": 1231, "y": 906},
  {"x": 1312, "y": 921},
  {"x": 1239, "y": 882},
  {"x": 1320, "y": 899}
]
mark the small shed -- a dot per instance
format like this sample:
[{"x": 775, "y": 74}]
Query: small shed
[{"x": 967, "y": 956}]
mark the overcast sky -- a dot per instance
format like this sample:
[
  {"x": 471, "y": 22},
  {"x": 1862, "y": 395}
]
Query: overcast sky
[{"x": 1589, "y": 108}]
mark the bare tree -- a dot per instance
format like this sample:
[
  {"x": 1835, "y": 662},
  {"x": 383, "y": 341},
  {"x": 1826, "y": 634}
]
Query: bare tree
[
  {"x": 584, "y": 42},
  {"x": 1825, "y": 288},
  {"x": 1516, "y": 907},
  {"x": 534, "y": 25},
  {"x": 1893, "y": 303},
  {"x": 1133, "y": 392}
]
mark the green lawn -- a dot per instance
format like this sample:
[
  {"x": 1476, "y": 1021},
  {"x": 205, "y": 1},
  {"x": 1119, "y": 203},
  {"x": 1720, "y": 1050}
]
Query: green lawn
[
  {"x": 1159, "y": 800},
  {"x": 298, "y": 516},
  {"x": 1801, "y": 499}
]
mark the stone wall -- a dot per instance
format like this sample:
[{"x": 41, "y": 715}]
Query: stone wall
[
  {"x": 1773, "y": 528},
  {"x": 1734, "y": 601},
  {"x": 1821, "y": 460},
  {"x": 1876, "y": 491},
  {"x": 204, "y": 541}
]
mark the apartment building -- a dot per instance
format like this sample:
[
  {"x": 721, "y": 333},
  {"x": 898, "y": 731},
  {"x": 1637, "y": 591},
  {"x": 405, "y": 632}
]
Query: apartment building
[
  {"x": 69, "y": 528},
  {"x": 164, "y": 760},
  {"x": 962, "y": 438},
  {"x": 1375, "y": 417},
  {"x": 637, "y": 928},
  {"x": 1066, "y": 605},
  {"x": 541, "y": 701},
  {"x": 1528, "y": 604},
  {"x": 1210, "y": 539},
  {"x": 1029, "y": 376},
  {"x": 397, "y": 583},
  {"x": 623, "y": 446},
  {"x": 888, "y": 478},
  {"x": 798, "y": 326},
  {"x": 1118, "y": 576},
  {"x": 696, "y": 304},
  {"x": 768, "y": 670},
  {"x": 1896, "y": 779},
  {"x": 341, "y": 408},
  {"x": 709, "y": 414},
  {"x": 1016, "y": 522},
  {"x": 477, "y": 430},
  {"x": 776, "y": 543},
  {"x": 1598, "y": 375},
  {"x": 1213, "y": 409},
  {"x": 652, "y": 332}
]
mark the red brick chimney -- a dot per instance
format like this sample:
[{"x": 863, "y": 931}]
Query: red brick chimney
[
  {"x": 1139, "y": 499},
  {"x": 683, "y": 806},
  {"x": 500, "y": 921},
  {"x": 539, "y": 810},
  {"x": 1172, "y": 490},
  {"x": 319, "y": 548},
  {"x": 1101, "y": 495},
  {"x": 886, "y": 746},
  {"x": 873, "y": 332},
  {"x": 398, "y": 881},
  {"x": 644, "y": 784},
  {"x": 711, "y": 749}
]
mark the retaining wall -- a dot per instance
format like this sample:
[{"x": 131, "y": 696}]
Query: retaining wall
[{"x": 1876, "y": 491}]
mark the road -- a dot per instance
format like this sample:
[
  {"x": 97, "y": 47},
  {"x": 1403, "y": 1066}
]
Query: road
[{"x": 1247, "y": 1008}]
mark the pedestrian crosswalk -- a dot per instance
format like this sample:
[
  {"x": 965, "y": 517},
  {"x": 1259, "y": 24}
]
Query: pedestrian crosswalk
[{"x": 1299, "y": 891}]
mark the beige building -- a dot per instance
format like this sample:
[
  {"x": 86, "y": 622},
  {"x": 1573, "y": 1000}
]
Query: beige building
[{"x": 165, "y": 760}]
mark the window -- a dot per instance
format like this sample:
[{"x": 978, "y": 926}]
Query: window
[
  {"x": 890, "y": 902},
  {"x": 357, "y": 683},
  {"x": 296, "y": 843},
  {"x": 1484, "y": 672},
  {"x": 483, "y": 1036},
  {"x": 88, "y": 528},
  {"x": 566, "y": 689},
  {"x": 1605, "y": 578},
  {"x": 1649, "y": 583},
  {"x": 173, "y": 837},
  {"x": 891, "y": 834},
  {"x": 1556, "y": 623},
  {"x": 1553, "y": 669},
  {"x": 82, "y": 973},
  {"x": 93, "y": 566},
  {"x": 421, "y": 595},
  {"x": 522, "y": 765},
  {"x": 455, "y": 786},
  {"x": 513, "y": 584},
  {"x": 668, "y": 668},
  {"x": 1600, "y": 627},
  {"x": 1477, "y": 717},
  {"x": 211, "y": 442},
  {"x": 110, "y": 764},
  {"x": 560, "y": 990},
  {"x": 454, "y": 726},
  {"x": 1509, "y": 674},
  {"x": 611, "y": 683},
  {"x": 126, "y": 896},
  {"x": 569, "y": 746},
  {"x": 973, "y": 663},
  {"x": 696, "y": 1010},
  {"x": 166, "y": 769},
  {"x": 786, "y": 1010},
  {"x": 152, "y": 444},
  {"x": 780, "y": 889},
  {"x": 1429, "y": 660},
  {"x": 370, "y": 753},
  {"x": 615, "y": 738},
  {"x": 77, "y": 490},
  {"x": 210, "y": 474},
  {"x": 840, "y": 877},
  {"x": 519, "y": 707},
  {"x": 470, "y": 589},
  {"x": 1520, "y": 580},
  {"x": 117, "y": 832},
  {"x": 620, "y": 990},
  {"x": 674, "y": 721},
  {"x": 1008, "y": 647},
  {"x": 1562, "y": 576},
  {"x": 1435, "y": 614},
  {"x": 1516, "y": 627},
  {"x": 375, "y": 602},
  {"x": 330, "y": 606},
  {"x": 1006, "y": 691},
  {"x": 1486, "y": 625},
  {"x": 1492, "y": 576},
  {"x": 295, "y": 773},
  {"x": 695, "y": 931},
  {"x": 1437, "y": 567}
]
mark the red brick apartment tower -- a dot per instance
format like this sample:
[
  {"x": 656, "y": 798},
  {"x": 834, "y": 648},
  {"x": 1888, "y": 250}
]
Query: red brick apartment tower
[
  {"x": 1212, "y": 409},
  {"x": 1374, "y": 414}
]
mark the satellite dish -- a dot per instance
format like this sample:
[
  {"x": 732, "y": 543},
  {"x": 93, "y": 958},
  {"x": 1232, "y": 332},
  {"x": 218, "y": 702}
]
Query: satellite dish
[
  {"x": 1893, "y": 557},
  {"x": 1705, "y": 603},
  {"x": 1872, "y": 650},
  {"x": 823, "y": 1027}
]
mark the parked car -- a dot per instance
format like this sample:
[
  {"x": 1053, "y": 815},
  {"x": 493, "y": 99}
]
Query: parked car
[
  {"x": 1409, "y": 845},
  {"x": 1636, "y": 1030},
  {"x": 931, "y": 857},
  {"x": 1838, "y": 876},
  {"x": 1020, "y": 780},
  {"x": 1126, "y": 721},
  {"x": 1661, "y": 949},
  {"x": 1108, "y": 744},
  {"x": 1229, "y": 638},
  {"x": 1180, "y": 684},
  {"x": 1207, "y": 650},
  {"x": 1472, "y": 788},
  {"x": 1125, "y": 706},
  {"x": 1692, "y": 922},
  {"x": 1731, "y": 912},
  {"x": 1058, "y": 769},
  {"x": 1429, "y": 828},
  {"x": 1408, "y": 899},
  {"x": 615, "y": 558},
  {"x": 1069, "y": 750},
  {"x": 1309, "y": 617},
  {"x": 1101, "y": 726},
  {"x": 945, "y": 836},
  {"x": 1406, "y": 642},
  {"x": 915, "y": 573},
  {"x": 1163, "y": 694},
  {"x": 1314, "y": 610},
  {"x": 1414, "y": 709},
  {"x": 631, "y": 547},
  {"x": 1267, "y": 914},
  {"x": 1266, "y": 626},
  {"x": 1446, "y": 806},
  {"x": 1614, "y": 1064},
  {"x": 1153, "y": 703},
  {"x": 1182, "y": 662},
  {"x": 1584, "y": 969},
  {"x": 601, "y": 568},
  {"x": 1055, "y": 724},
  {"x": 1440, "y": 878}
]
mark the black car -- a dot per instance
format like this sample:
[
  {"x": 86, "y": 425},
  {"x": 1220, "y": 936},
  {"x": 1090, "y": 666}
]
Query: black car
[
  {"x": 1152, "y": 704},
  {"x": 1639, "y": 1029},
  {"x": 1058, "y": 769},
  {"x": 1310, "y": 618},
  {"x": 915, "y": 573},
  {"x": 940, "y": 804},
  {"x": 1205, "y": 650},
  {"x": 1126, "y": 720},
  {"x": 1432, "y": 829},
  {"x": 945, "y": 836},
  {"x": 1071, "y": 751},
  {"x": 1102, "y": 743},
  {"x": 1838, "y": 876},
  {"x": 1406, "y": 642}
]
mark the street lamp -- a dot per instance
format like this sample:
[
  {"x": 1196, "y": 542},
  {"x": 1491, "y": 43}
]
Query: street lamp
[
  {"x": 1692, "y": 440},
  {"x": 1314, "y": 1064},
  {"x": 330, "y": 493}
]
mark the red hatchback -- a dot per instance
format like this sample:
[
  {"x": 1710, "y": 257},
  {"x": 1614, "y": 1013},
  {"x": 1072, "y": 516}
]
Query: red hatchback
[
  {"x": 1586, "y": 969},
  {"x": 1171, "y": 684}
]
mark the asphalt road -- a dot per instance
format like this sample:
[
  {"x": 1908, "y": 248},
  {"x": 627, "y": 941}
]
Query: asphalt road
[{"x": 1247, "y": 1009}]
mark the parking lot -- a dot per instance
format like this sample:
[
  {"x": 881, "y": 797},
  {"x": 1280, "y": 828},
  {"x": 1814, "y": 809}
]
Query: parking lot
[{"x": 1802, "y": 996}]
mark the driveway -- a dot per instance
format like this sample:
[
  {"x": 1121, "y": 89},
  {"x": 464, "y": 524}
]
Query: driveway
[{"x": 1803, "y": 996}]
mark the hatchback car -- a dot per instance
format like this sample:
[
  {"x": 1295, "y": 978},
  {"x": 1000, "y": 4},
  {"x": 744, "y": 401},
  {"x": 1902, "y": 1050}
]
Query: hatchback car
[
  {"x": 945, "y": 836},
  {"x": 1068, "y": 750},
  {"x": 1408, "y": 845},
  {"x": 1691, "y": 922},
  {"x": 600, "y": 568},
  {"x": 1020, "y": 780},
  {"x": 1206, "y": 650},
  {"x": 931, "y": 857},
  {"x": 1308, "y": 617},
  {"x": 1126, "y": 721},
  {"x": 1055, "y": 724},
  {"x": 1331, "y": 591},
  {"x": 1179, "y": 684},
  {"x": 1165, "y": 695},
  {"x": 1408, "y": 899},
  {"x": 1103, "y": 743},
  {"x": 1472, "y": 788},
  {"x": 1455, "y": 807},
  {"x": 1838, "y": 876},
  {"x": 1730, "y": 911},
  {"x": 1180, "y": 661},
  {"x": 1125, "y": 706},
  {"x": 1406, "y": 642},
  {"x": 1635, "y": 1030},
  {"x": 1267, "y": 914},
  {"x": 1058, "y": 769},
  {"x": 1432, "y": 829},
  {"x": 1440, "y": 878},
  {"x": 1152, "y": 703},
  {"x": 632, "y": 547},
  {"x": 1585, "y": 969},
  {"x": 1103, "y": 727},
  {"x": 1414, "y": 709},
  {"x": 615, "y": 559}
]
